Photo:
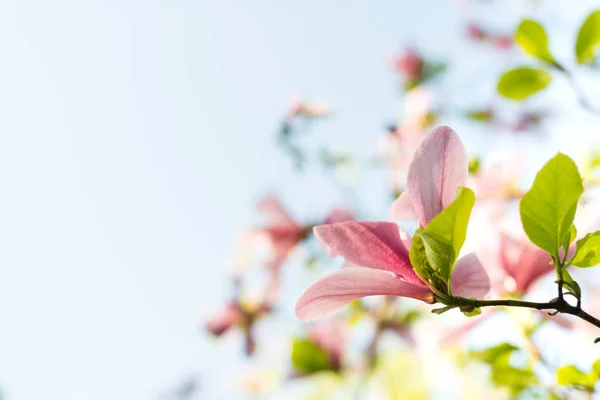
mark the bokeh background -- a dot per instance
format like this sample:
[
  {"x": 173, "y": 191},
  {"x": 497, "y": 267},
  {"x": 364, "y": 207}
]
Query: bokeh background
[{"x": 137, "y": 136}]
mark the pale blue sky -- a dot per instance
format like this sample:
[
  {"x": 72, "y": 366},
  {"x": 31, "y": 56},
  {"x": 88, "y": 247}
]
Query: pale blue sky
[{"x": 135, "y": 139}]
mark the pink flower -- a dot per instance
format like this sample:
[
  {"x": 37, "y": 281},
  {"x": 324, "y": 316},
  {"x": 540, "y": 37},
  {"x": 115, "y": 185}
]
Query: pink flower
[
  {"x": 407, "y": 135},
  {"x": 475, "y": 32},
  {"x": 410, "y": 65},
  {"x": 503, "y": 42},
  {"x": 224, "y": 320},
  {"x": 377, "y": 252},
  {"x": 284, "y": 233},
  {"x": 308, "y": 109},
  {"x": 240, "y": 316}
]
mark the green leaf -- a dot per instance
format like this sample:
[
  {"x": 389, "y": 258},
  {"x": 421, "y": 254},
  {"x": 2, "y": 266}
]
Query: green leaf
[
  {"x": 588, "y": 251},
  {"x": 570, "y": 284},
  {"x": 588, "y": 38},
  {"x": 596, "y": 367},
  {"x": 569, "y": 238},
  {"x": 307, "y": 357},
  {"x": 570, "y": 375},
  {"x": 514, "y": 378},
  {"x": 497, "y": 353},
  {"x": 520, "y": 83},
  {"x": 474, "y": 165},
  {"x": 472, "y": 313},
  {"x": 548, "y": 208},
  {"x": 532, "y": 38},
  {"x": 443, "y": 237}
]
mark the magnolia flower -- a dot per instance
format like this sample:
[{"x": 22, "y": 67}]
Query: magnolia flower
[
  {"x": 405, "y": 138},
  {"x": 239, "y": 315},
  {"x": 377, "y": 252},
  {"x": 410, "y": 65},
  {"x": 498, "y": 180},
  {"x": 284, "y": 233}
]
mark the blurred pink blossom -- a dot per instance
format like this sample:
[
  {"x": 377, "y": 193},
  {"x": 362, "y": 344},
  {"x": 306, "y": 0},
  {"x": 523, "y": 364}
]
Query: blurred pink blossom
[{"x": 409, "y": 64}]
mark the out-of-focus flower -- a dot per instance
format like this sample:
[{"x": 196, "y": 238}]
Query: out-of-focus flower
[
  {"x": 301, "y": 108},
  {"x": 409, "y": 64},
  {"x": 284, "y": 233},
  {"x": 498, "y": 181},
  {"x": 230, "y": 316},
  {"x": 405, "y": 137},
  {"x": 413, "y": 68},
  {"x": 478, "y": 34},
  {"x": 377, "y": 255},
  {"x": 242, "y": 315}
]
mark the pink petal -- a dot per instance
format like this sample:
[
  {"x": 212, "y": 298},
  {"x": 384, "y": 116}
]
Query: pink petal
[
  {"x": 274, "y": 212},
  {"x": 469, "y": 278},
  {"x": 458, "y": 333},
  {"x": 524, "y": 262},
  {"x": 403, "y": 208},
  {"x": 224, "y": 320},
  {"x": 368, "y": 244},
  {"x": 438, "y": 167},
  {"x": 334, "y": 291}
]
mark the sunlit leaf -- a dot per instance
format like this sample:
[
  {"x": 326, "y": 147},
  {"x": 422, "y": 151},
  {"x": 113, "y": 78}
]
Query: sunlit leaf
[
  {"x": 532, "y": 38},
  {"x": 444, "y": 236},
  {"x": 548, "y": 208},
  {"x": 588, "y": 251},
  {"x": 307, "y": 357},
  {"x": 520, "y": 83},
  {"x": 570, "y": 375},
  {"x": 588, "y": 38}
]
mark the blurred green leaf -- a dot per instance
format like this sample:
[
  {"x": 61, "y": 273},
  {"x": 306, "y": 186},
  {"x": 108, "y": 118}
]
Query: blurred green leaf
[
  {"x": 513, "y": 378},
  {"x": 480, "y": 115},
  {"x": 596, "y": 367},
  {"x": 570, "y": 375},
  {"x": 500, "y": 352},
  {"x": 520, "y": 83},
  {"x": 307, "y": 357},
  {"x": 588, "y": 251},
  {"x": 548, "y": 208},
  {"x": 474, "y": 165},
  {"x": 444, "y": 236},
  {"x": 532, "y": 38},
  {"x": 588, "y": 38}
]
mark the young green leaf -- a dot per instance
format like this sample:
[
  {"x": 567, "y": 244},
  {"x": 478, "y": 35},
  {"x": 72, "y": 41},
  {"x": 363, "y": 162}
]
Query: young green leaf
[
  {"x": 520, "y": 83},
  {"x": 307, "y": 357},
  {"x": 570, "y": 284},
  {"x": 570, "y": 375},
  {"x": 588, "y": 251},
  {"x": 588, "y": 38},
  {"x": 532, "y": 38},
  {"x": 548, "y": 209},
  {"x": 444, "y": 236}
]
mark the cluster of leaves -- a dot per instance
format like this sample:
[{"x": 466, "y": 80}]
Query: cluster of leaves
[
  {"x": 571, "y": 376},
  {"x": 522, "y": 82},
  {"x": 504, "y": 372}
]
